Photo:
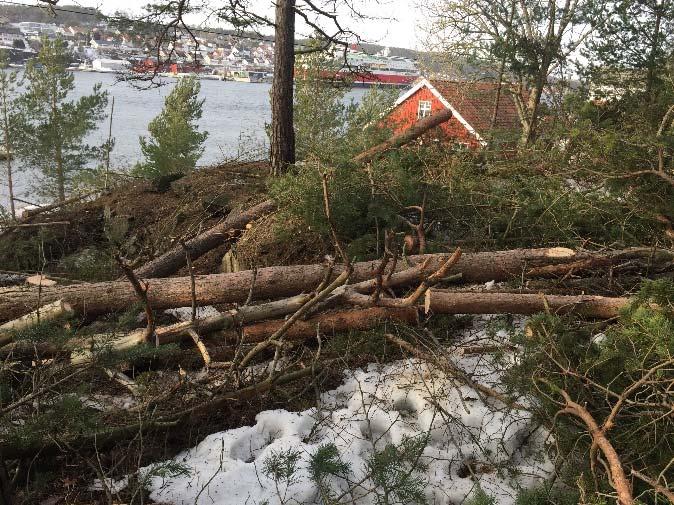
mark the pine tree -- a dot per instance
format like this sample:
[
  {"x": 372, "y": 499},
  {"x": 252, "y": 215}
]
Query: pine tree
[
  {"x": 175, "y": 144},
  {"x": 633, "y": 43},
  {"x": 9, "y": 118},
  {"x": 56, "y": 127}
]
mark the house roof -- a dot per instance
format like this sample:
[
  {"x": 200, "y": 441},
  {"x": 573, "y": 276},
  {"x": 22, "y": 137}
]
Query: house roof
[{"x": 472, "y": 103}]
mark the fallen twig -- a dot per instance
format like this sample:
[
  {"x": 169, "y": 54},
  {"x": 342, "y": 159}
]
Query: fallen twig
[
  {"x": 659, "y": 488},
  {"x": 456, "y": 372},
  {"x": 617, "y": 477}
]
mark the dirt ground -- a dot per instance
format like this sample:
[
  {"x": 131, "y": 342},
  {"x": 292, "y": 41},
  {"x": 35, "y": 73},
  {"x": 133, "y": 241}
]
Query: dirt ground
[{"x": 139, "y": 219}]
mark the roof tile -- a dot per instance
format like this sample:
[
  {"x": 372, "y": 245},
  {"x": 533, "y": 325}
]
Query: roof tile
[{"x": 475, "y": 102}]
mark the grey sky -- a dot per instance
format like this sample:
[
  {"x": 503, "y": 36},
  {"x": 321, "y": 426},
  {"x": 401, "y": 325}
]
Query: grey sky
[{"x": 395, "y": 24}]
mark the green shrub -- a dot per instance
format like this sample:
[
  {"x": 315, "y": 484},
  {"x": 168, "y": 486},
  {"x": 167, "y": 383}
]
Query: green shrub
[
  {"x": 175, "y": 144},
  {"x": 329, "y": 128},
  {"x": 479, "y": 497},
  {"x": 595, "y": 369},
  {"x": 544, "y": 495}
]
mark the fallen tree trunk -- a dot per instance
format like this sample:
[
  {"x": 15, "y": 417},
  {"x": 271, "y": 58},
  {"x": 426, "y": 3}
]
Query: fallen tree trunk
[
  {"x": 284, "y": 281},
  {"x": 30, "y": 213},
  {"x": 402, "y": 138},
  {"x": 176, "y": 258},
  {"x": 447, "y": 302},
  {"x": 332, "y": 322},
  {"x": 179, "y": 331},
  {"x": 48, "y": 312}
]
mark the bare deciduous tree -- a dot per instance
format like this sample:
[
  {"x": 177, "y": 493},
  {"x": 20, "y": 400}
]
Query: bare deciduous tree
[{"x": 523, "y": 41}]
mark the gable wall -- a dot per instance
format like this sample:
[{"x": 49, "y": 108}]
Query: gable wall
[{"x": 405, "y": 115}]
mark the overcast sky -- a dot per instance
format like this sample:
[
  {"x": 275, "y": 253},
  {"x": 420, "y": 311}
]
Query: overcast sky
[{"x": 396, "y": 23}]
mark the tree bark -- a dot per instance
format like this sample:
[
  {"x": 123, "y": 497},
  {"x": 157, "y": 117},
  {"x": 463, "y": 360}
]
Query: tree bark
[
  {"x": 180, "y": 331},
  {"x": 175, "y": 259},
  {"x": 445, "y": 302},
  {"x": 332, "y": 322},
  {"x": 282, "y": 130},
  {"x": 58, "y": 154},
  {"x": 283, "y": 281},
  {"x": 46, "y": 313},
  {"x": 402, "y": 138},
  {"x": 531, "y": 124},
  {"x": 8, "y": 152},
  {"x": 650, "y": 73}
]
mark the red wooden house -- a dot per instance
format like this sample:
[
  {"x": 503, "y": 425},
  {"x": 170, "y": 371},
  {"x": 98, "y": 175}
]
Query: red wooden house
[{"x": 472, "y": 105}]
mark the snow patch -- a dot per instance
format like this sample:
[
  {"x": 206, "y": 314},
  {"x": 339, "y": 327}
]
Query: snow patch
[
  {"x": 114, "y": 486},
  {"x": 185, "y": 313},
  {"x": 468, "y": 439}
]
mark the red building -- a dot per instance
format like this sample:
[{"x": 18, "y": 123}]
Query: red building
[{"x": 472, "y": 105}]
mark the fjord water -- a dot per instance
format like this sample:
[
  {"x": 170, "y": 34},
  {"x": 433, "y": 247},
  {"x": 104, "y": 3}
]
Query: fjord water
[{"x": 235, "y": 114}]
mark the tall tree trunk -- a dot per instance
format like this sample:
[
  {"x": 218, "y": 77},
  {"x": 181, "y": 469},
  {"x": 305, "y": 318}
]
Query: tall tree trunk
[
  {"x": 60, "y": 175},
  {"x": 501, "y": 71},
  {"x": 650, "y": 74},
  {"x": 533, "y": 103},
  {"x": 58, "y": 152},
  {"x": 8, "y": 153},
  {"x": 282, "y": 132},
  {"x": 497, "y": 98}
]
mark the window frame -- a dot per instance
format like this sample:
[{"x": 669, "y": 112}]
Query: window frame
[{"x": 424, "y": 111}]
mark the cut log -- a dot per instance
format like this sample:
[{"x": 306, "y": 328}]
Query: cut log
[
  {"x": 175, "y": 259},
  {"x": 446, "y": 302},
  {"x": 40, "y": 280},
  {"x": 180, "y": 331},
  {"x": 30, "y": 213},
  {"x": 48, "y": 312},
  {"x": 281, "y": 281},
  {"x": 332, "y": 322},
  {"x": 402, "y": 138}
]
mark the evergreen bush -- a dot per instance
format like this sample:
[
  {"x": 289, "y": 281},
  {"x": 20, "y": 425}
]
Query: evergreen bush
[
  {"x": 631, "y": 359},
  {"x": 175, "y": 144}
]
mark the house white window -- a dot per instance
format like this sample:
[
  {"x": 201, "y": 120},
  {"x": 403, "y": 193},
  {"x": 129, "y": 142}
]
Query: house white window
[{"x": 424, "y": 109}]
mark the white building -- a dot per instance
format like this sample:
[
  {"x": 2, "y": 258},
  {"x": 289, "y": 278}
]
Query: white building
[
  {"x": 109, "y": 65},
  {"x": 34, "y": 30}
]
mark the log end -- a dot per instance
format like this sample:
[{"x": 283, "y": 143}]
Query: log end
[
  {"x": 427, "y": 301},
  {"x": 40, "y": 280},
  {"x": 560, "y": 252}
]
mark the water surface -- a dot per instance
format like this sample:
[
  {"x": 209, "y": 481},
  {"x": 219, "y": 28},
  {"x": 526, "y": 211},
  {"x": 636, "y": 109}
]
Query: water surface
[{"x": 235, "y": 114}]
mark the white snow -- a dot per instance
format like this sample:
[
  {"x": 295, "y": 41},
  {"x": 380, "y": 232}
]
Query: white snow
[
  {"x": 185, "y": 313},
  {"x": 374, "y": 407},
  {"x": 114, "y": 486}
]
